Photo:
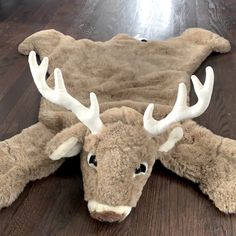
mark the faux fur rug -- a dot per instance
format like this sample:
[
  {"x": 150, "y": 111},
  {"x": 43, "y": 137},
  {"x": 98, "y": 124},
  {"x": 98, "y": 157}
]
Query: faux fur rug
[{"x": 123, "y": 72}]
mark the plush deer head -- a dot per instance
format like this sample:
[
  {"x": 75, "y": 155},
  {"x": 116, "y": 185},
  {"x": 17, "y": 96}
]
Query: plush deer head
[{"x": 119, "y": 150}]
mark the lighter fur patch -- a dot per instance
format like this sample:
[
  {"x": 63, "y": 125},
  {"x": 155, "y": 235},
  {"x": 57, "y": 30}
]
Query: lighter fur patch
[
  {"x": 175, "y": 136},
  {"x": 94, "y": 206},
  {"x": 69, "y": 148}
]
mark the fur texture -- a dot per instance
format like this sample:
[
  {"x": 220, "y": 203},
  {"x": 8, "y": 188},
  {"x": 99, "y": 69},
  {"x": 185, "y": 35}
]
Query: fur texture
[
  {"x": 22, "y": 160},
  {"x": 208, "y": 160},
  {"x": 126, "y": 75}
]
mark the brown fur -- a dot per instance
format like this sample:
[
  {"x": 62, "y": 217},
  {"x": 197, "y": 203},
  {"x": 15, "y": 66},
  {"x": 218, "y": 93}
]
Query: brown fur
[
  {"x": 126, "y": 74},
  {"x": 209, "y": 160},
  {"x": 22, "y": 160},
  {"x": 110, "y": 216}
]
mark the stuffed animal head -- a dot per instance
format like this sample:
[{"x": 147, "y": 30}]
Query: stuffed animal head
[
  {"x": 120, "y": 146},
  {"x": 116, "y": 163}
]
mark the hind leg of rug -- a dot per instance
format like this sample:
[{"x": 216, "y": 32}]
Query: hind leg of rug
[{"x": 22, "y": 159}]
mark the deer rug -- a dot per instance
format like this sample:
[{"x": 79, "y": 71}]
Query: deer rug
[{"x": 121, "y": 104}]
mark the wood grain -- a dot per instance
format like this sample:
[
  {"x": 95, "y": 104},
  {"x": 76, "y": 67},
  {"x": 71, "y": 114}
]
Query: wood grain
[{"x": 170, "y": 205}]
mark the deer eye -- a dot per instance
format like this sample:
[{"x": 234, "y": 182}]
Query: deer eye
[
  {"x": 92, "y": 161},
  {"x": 142, "y": 169}
]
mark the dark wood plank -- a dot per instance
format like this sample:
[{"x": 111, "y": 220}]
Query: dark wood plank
[{"x": 169, "y": 205}]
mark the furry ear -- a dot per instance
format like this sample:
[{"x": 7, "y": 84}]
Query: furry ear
[
  {"x": 175, "y": 135},
  {"x": 69, "y": 148},
  {"x": 67, "y": 143}
]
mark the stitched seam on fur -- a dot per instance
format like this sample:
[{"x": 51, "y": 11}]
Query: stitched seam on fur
[{"x": 11, "y": 156}]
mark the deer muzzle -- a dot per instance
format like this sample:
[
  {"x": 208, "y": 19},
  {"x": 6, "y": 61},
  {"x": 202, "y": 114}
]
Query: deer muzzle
[{"x": 106, "y": 213}]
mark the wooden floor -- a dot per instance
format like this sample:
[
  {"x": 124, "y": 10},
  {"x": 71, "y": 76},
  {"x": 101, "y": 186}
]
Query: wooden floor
[{"x": 169, "y": 205}]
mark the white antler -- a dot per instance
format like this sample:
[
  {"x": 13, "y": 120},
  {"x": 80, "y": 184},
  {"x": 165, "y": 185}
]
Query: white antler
[
  {"x": 180, "y": 110},
  {"x": 88, "y": 116}
]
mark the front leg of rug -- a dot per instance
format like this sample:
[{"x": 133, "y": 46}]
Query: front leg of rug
[
  {"x": 209, "y": 160},
  {"x": 22, "y": 159}
]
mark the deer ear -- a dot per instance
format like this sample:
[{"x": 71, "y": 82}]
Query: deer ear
[
  {"x": 175, "y": 135},
  {"x": 69, "y": 148},
  {"x": 67, "y": 143}
]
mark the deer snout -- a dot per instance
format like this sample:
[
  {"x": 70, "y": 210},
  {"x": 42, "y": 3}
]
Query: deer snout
[{"x": 106, "y": 213}]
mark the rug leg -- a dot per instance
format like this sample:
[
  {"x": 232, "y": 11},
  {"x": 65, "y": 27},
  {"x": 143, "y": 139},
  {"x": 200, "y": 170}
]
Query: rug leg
[
  {"x": 22, "y": 159},
  {"x": 209, "y": 160}
]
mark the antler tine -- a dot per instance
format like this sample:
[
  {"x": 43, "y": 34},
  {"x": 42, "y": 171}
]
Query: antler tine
[
  {"x": 180, "y": 110},
  {"x": 39, "y": 72},
  {"x": 59, "y": 95}
]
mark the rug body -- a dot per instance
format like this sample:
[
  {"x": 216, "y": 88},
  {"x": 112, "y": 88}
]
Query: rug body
[
  {"x": 126, "y": 75},
  {"x": 124, "y": 70}
]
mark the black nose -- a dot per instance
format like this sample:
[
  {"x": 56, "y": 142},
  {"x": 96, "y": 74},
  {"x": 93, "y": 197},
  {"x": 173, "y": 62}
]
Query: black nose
[{"x": 107, "y": 216}]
